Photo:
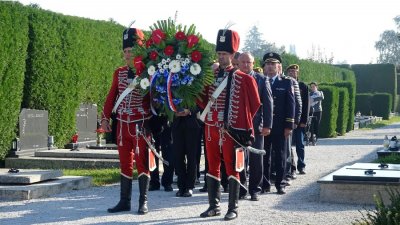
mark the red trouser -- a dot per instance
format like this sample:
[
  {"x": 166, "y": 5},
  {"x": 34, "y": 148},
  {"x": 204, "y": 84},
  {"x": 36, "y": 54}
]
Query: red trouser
[
  {"x": 127, "y": 141},
  {"x": 214, "y": 152}
]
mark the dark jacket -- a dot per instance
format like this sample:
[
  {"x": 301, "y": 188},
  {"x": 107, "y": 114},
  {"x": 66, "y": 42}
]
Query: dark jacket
[{"x": 263, "y": 117}]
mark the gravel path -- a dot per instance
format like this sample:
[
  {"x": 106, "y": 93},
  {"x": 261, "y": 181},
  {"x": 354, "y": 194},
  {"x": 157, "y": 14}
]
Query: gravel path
[{"x": 299, "y": 206}]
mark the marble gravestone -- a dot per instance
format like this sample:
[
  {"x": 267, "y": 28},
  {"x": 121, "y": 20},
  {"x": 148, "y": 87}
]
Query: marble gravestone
[{"x": 33, "y": 132}]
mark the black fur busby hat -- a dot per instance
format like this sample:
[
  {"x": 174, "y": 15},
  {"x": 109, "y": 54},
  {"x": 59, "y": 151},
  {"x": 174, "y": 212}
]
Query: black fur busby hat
[
  {"x": 228, "y": 41},
  {"x": 131, "y": 36}
]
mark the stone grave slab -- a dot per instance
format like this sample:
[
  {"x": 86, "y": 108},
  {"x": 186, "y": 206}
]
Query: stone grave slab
[
  {"x": 385, "y": 152},
  {"x": 351, "y": 184},
  {"x": 33, "y": 132},
  {"x": 25, "y": 176},
  {"x": 43, "y": 189}
]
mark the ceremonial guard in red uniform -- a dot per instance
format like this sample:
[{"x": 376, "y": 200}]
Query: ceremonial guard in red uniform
[
  {"x": 131, "y": 113},
  {"x": 227, "y": 114}
]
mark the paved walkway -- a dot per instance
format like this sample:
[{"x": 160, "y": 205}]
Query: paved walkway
[{"x": 299, "y": 206}]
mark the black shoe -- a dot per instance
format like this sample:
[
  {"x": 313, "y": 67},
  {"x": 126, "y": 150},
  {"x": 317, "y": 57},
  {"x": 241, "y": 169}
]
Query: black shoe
[
  {"x": 211, "y": 212},
  {"x": 154, "y": 188},
  {"x": 302, "y": 172},
  {"x": 242, "y": 196},
  {"x": 266, "y": 190},
  {"x": 168, "y": 188},
  {"x": 180, "y": 193},
  {"x": 281, "y": 191},
  {"x": 292, "y": 175},
  {"x": 203, "y": 189},
  {"x": 187, "y": 193},
  {"x": 255, "y": 197}
]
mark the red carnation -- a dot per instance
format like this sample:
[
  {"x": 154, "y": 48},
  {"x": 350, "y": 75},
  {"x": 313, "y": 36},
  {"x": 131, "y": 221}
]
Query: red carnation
[
  {"x": 149, "y": 43},
  {"x": 196, "y": 56},
  {"x": 180, "y": 36},
  {"x": 157, "y": 36},
  {"x": 138, "y": 64},
  {"x": 153, "y": 55},
  {"x": 192, "y": 40},
  {"x": 169, "y": 50}
]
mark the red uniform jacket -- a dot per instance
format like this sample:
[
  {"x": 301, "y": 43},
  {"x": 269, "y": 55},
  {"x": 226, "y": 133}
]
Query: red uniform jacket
[
  {"x": 134, "y": 107},
  {"x": 244, "y": 101}
]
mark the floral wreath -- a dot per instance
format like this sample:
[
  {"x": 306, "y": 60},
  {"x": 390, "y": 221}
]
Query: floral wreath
[{"x": 174, "y": 67}]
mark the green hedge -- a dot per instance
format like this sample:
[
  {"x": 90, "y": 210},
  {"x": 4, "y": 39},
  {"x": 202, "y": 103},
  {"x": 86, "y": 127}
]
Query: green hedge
[
  {"x": 71, "y": 60},
  {"x": 343, "y": 111},
  {"x": 330, "y": 106},
  {"x": 381, "y": 104},
  {"x": 14, "y": 42},
  {"x": 319, "y": 72},
  {"x": 363, "y": 103},
  {"x": 377, "y": 78},
  {"x": 351, "y": 88}
]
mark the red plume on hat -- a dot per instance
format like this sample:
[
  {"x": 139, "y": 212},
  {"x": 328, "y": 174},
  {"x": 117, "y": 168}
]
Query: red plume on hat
[
  {"x": 227, "y": 40},
  {"x": 130, "y": 36}
]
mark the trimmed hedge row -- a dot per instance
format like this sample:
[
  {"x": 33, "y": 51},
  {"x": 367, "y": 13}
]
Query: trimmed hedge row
[
  {"x": 330, "y": 106},
  {"x": 14, "y": 42},
  {"x": 343, "y": 111},
  {"x": 71, "y": 60},
  {"x": 378, "y": 104},
  {"x": 377, "y": 78}
]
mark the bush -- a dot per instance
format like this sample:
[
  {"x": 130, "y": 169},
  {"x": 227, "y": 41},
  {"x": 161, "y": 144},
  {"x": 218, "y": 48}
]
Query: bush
[
  {"x": 381, "y": 104},
  {"x": 14, "y": 43},
  {"x": 343, "y": 111},
  {"x": 329, "y": 116},
  {"x": 382, "y": 215},
  {"x": 363, "y": 103}
]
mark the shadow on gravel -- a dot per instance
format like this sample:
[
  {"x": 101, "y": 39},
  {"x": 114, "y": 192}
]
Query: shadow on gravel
[{"x": 349, "y": 141}]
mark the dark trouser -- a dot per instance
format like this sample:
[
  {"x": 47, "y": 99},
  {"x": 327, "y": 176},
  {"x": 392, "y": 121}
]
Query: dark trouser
[
  {"x": 256, "y": 166},
  {"x": 315, "y": 123},
  {"x": 276, "y": 151},
  {"x": 163, "y": 142},
  {"x": 198, "y": 145},
  {"x": 298, "y": 137},
  {"x": 185, "y": 149}
]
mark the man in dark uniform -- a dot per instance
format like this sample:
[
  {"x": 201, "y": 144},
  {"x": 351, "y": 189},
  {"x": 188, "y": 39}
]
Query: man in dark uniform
[
  {"x": 161, "y": 130},
  {"x": 283, "y": 121},
  {"x": 262, "y": 123},
  {"x": 185, "y": 135},
  {"x": 131, "y": 113},
  {"x": 299, "y": 131},
  {"x": 228, "y": 114}
]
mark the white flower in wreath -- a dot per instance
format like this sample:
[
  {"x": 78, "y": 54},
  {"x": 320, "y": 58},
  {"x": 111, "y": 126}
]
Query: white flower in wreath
[
  {"x": 168, "y": 60},
  {"x": 178, "y": 56},
  {"x": 144, "y": 83},
  {"x": 174, "y": 66},
  {"x": 165, "y": 67},
  {"x": 187, "y": 60},
  {"x": 163, "y": 61},
  {"x": 134, "y": 83},
  {"x": 195, "y": 69},
  {"x": 183, "y": 64},
  {"x": 151, "y": 70},
  {"x": 159, "y": 65}
]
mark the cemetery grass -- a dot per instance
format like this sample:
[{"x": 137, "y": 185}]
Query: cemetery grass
[
  {"x": 382, "y": 123},
  {"x": 100, "y": 177}
]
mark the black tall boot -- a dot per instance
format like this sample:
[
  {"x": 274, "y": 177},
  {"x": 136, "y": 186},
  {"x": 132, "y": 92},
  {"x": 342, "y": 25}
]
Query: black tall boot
[
  {"x": 143, "y": 189},
  {"x": 233, "y": 199},
  {"x": 124, "y": 203},
  {"x": 214, "y": 197}
]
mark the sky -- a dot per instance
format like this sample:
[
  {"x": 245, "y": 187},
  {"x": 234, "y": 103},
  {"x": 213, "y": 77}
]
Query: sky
[{"x": 346, "y": 29}]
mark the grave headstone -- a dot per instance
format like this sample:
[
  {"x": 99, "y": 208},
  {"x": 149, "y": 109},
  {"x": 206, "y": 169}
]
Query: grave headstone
[
  {"x": 86, "y": 122},
  {"x": 33, "y": 132}
]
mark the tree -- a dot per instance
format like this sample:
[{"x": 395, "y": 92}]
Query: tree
[
  {"x": 257, "y": 46},
  {"x": 389, "y": 45},
  {"x": 319, "y": 56}
]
